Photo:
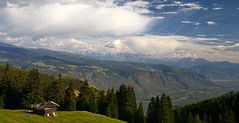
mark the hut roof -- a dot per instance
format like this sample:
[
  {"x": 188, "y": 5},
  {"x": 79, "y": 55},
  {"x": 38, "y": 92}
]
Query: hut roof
[{"x": 40, "y": 106}]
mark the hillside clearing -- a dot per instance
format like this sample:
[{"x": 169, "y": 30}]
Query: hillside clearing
[{"x": 25, "y": 116}]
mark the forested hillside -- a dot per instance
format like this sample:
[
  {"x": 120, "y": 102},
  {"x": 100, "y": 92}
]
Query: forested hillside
[
  {"x": 224, "y": 109},
  {"x": 20, "y": 89}
]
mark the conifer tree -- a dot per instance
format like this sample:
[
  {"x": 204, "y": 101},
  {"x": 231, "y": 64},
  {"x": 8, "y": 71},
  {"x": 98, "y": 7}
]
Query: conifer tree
[
  {"x": 102, "y": 103},
  {"x": 70, "y": 98},
  {"x": 139, "y": 115},
  {"x": 166, "y": 113},
  {"x": 33, "y": 91},
  {"x": 126, "y": 103},
  {"x": 112, "y": 107},
  {"x": 108, "y": 103},
  {"x": 4, "y": 84},
  {"x": 12, "y": 95},
  {"x": 56, "y": 90},
  {"x": 150, "y": 112},
  {"x": 87, "y": 99},
  {"x": 10, "y": 89},
  {"x": 157, "y": 110}
]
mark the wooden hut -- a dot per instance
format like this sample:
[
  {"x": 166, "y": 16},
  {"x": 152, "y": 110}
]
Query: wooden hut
[{"x": 46, "y": 109}]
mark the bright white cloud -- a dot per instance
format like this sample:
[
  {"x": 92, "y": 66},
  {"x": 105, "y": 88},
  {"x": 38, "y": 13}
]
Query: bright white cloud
[
  {"x": 217, "y": 8},
  {"x": 115, "y": 44},
  {"x": 150, "y": 46},
  {"x": 159, "y": 17},
  {"x": 182, "y": 6},
  {"x": 191, "y": 22},
  {"x": 87, "y": 18},
  {"x": 211, "y": 23},
  {"x": 192, "y": 6},
  {"x": 153, "y": 45}
]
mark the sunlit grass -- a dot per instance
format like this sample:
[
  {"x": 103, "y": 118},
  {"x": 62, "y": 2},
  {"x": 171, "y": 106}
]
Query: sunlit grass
[{"x": 25, "y": 116}]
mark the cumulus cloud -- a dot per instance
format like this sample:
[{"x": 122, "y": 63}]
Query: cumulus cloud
[
  {"x": 152, "y": 46},
  {"x": 211, "y": 23},
  {"x": 75, "y": 17}
]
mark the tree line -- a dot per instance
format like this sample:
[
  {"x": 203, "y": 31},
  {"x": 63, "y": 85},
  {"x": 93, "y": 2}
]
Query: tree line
[
  {"x": 224, "y": 109},
  {"x": 19, "y": 89}
]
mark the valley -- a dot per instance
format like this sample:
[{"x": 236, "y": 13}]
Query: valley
[{"x": 183, "y": 85}]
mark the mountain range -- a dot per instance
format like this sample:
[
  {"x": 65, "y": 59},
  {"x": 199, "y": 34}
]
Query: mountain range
[{"x": 184, "y": 83}]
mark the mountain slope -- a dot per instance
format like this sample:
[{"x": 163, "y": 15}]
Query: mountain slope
[
  {"x": 212, "y": 70},
  {"x": 147, "y": 79}
]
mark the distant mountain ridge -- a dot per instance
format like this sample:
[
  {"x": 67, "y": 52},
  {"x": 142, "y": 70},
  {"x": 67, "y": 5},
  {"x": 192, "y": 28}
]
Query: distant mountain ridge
[
  {"x": 147, "y": 79},
  {"x": 213, "y": 70}
]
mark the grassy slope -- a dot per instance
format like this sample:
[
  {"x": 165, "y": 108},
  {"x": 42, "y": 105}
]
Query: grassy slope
[{"x": 23, "y": 116}]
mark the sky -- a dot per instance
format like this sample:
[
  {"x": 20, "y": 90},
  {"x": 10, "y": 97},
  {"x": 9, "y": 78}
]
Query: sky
[{"x": 154, "y": 28}]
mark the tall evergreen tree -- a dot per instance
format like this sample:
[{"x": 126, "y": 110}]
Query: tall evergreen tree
[
  {"x": 126, "y": 103},
  {"x": 10, "y": 90},
  {"x": 166, "y": 113},
  {"x": 87, "y": 99},
  {"x": 150, "y": 118},
  {"x": 70, "y": 98},
  {"x": 112, "y": 107},
  {"x": 160, "y": 110},
  {"x": 5, "y": 83},
  {"x": 56, "y": 90},
  {"x": 102, "y": 103},
  {"x": 157, "y": 110},
  {"x": 33, "y": 91},
  {"x": 13, "y": 96},
  {"x": 139, "y": 115}
]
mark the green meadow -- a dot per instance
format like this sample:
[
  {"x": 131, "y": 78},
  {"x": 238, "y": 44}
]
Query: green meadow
[{"x": 25, "y": 116}]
